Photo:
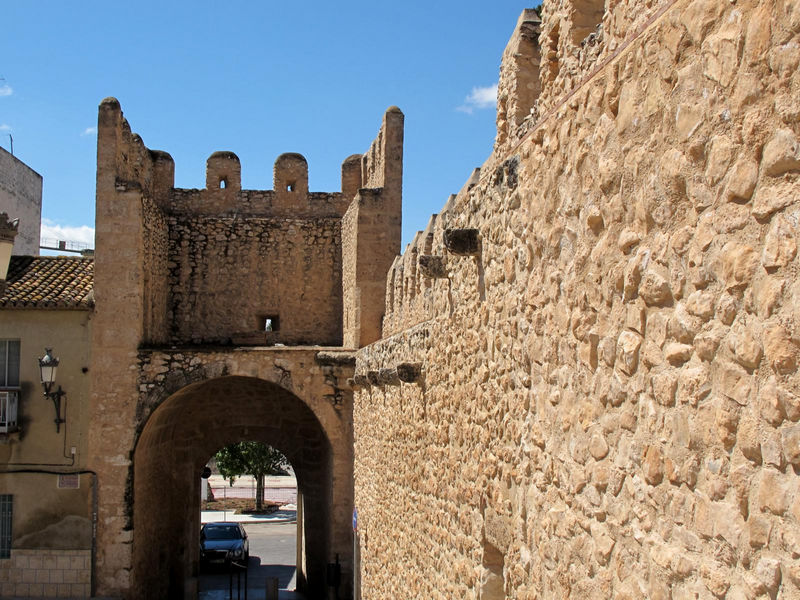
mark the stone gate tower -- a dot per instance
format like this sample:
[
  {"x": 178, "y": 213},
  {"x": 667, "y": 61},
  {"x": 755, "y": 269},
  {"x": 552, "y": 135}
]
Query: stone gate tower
[{"x": 221, "y": 315}]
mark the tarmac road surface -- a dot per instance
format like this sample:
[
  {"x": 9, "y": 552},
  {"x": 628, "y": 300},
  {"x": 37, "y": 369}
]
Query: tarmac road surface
[{"x": 272, "y": 554}]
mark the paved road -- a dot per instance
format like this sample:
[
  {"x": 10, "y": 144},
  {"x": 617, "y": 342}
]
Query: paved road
[{"x": 272, "y": 554}]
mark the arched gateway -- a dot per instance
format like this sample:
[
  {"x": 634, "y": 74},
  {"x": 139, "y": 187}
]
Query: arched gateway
[
  {"x": 222, "y": 315},
  {"x": 177, "y": 440}
]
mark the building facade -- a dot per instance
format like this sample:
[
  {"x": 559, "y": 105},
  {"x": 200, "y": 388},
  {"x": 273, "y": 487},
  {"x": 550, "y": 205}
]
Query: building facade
[
  {"x": 21, "y": 198},
  {"x": 47, "y": 494}
]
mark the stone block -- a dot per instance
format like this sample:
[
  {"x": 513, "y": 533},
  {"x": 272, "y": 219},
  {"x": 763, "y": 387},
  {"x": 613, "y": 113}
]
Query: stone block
[
  {"x": 780, "y": 246},
  {"x": 652, "y": 465},
  {"x": 779, "y": 348},
  {"x": 744, "y": 345},
  {"x": 628, "y": 345},
  {"x": 462, "y": 242},
  {"x": 781, "y": 153},
  {"x": 733, "y": 381},
  {"x": 664, "y": 384},
  {"x": 655, "y": 289},
  {"x": 742, "y": 180},
  {"x": 738, "y": 264},
  {"x": 773, "y": 493},
  {"x": 790, "y": 437}
]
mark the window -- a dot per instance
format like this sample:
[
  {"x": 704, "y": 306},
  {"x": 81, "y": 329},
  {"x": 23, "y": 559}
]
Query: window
[
  {"x": 271, "y": 323},
  {"x": 6, "y": 505},
  {"x": 9, "y": 364},
  {"x": 9, "y": 384}
]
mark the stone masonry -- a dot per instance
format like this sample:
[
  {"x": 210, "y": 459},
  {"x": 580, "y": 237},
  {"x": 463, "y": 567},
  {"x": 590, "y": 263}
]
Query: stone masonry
[
  {"x": 605, "y": 323},
  {"x": 221, "y": 315}
]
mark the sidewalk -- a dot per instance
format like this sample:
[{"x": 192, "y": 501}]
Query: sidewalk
[{"x": 286, "y": 514}]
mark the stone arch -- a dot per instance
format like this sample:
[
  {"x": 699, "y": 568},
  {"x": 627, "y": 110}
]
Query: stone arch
[{"x": 180, "y": 435}]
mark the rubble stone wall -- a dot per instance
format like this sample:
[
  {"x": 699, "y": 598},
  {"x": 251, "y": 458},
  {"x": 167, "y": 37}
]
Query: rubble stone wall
[
  {"x": 228, "y": 275},
  {"x": 609, "y": 398},
  {"x": 211, "y": 267}
]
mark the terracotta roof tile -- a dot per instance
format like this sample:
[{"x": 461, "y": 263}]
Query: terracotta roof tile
[{"x": 49, "y": 282}]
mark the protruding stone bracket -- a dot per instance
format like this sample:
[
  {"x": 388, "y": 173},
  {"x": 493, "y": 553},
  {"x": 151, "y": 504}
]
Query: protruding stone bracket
[
  {"x": 409, "y": 372},
  {"x": 388, "y": 376},
  {"x": 462, "y": 242},
  {"x": 335, "y": 359},
  {"x": 434, "y": 267},
  {"x": 402, "y": 373},
  {"x": 358, "y": 381}
]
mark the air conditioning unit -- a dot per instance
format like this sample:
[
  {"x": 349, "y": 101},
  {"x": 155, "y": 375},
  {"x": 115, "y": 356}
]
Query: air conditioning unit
[{"x": 8, "y": 411}]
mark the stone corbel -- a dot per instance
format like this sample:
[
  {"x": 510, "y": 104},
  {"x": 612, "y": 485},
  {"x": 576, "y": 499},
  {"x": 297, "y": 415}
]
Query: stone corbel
[
  {"x": 462, "y": 242},
  {"x": 372, "y": 377},
  {"x": 402, "y": 373},
  {"x": 434, "y": 267},
  {"x": 388, "y": 377},
  {"x": 409, "y": 372},
  {"x": 336, "y": 358},
  {"x": 358, "y": 382}
]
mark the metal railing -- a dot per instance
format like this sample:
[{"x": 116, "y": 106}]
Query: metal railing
[
  {"x": 64, "y": 245},
  {"x": 8, "y": 411},
  {"x": 277, "y": 495}
]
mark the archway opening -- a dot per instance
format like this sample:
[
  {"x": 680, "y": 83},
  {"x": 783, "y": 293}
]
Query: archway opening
[
  {"x": 172, "y": 450},
  {"x": 250, "y": 487}
]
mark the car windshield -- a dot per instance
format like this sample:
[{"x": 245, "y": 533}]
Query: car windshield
[{"x": 221, "y": 532}]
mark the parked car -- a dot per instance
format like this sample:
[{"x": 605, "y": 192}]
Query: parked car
[{"x": 224, "y": 543}]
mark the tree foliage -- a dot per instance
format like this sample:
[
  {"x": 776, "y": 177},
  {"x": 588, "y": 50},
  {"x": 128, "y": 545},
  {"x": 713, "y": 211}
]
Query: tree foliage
[{"x": 251, "y": 458}]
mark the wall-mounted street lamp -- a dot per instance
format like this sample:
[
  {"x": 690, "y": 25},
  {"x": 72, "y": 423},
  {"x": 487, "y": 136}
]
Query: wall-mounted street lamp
[{"x": 47, "y": 372}]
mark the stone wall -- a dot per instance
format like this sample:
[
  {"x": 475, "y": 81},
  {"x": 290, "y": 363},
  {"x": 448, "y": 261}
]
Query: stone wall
[
  {"x": 21, "y": 198},
  {"x": 231, "y": 277},
  {"x": 228, "y": 275},
  {"x": 606, "y": 321},
  {"x": 371, "y": 229},
  {"x": 46, "y": 574}
]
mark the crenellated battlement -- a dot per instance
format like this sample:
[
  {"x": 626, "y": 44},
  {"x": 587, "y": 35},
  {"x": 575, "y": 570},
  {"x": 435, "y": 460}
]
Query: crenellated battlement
[
  {"x": 548, "y": 59},
  {"x": 215, "y": 265},
  {"x": 123, "y": 156}
]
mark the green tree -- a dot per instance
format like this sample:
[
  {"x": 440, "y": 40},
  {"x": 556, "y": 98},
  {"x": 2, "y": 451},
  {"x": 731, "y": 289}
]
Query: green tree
[{"x": 251, "y": 458}]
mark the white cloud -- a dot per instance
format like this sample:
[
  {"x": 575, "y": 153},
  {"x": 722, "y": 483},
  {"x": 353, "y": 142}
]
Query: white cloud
[
  {"x": 5, "y": 90},
  {"x": 89, "y": 131},
  {"x": 479, "y": 98},
  {"x": 53, "y": 231},
  {"x": 5, "y": 128}
]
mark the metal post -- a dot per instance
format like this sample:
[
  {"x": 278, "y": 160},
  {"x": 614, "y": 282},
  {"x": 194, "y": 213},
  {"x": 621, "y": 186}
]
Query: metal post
[{"x": 271, "y": 588}]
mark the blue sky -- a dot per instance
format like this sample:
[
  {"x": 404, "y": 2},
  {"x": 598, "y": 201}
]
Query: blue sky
[{"x": 256, "y": 78}]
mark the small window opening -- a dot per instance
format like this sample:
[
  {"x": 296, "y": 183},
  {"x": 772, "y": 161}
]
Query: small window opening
[
  {"x": 271, "y": 323},
  {"x": 290, "y": 187},
  {"x": 223, "y": 183}
]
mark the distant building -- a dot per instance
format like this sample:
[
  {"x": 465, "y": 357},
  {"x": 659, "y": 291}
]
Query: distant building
[{"x": 21, "y": 198}]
